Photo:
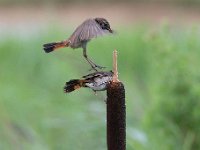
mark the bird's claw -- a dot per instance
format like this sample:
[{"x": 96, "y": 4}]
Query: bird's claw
[{"x": 95, "y": 67}]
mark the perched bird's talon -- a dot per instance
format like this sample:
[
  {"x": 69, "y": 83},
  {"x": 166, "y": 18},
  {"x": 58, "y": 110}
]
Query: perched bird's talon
[
  {"x": 100, "y": 67},
  {"x": 93, "y": 68},
  {"x": 96, "y": 67},
  {"x": 95, "y": 92}
]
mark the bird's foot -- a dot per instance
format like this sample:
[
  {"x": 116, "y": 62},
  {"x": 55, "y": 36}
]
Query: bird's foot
[
  {"x": 95, "y": 67},
  {"x": 100, "y": 67},
  {"x": 95, "y": 92}
]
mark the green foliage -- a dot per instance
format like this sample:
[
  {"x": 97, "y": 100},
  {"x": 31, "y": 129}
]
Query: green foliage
[
  {"x": 174, "y": 115},
  {"x": 159, "y": 68}
]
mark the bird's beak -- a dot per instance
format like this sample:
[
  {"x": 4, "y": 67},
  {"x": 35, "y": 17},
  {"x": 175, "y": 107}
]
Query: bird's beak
[{"x": 110, "y": 30}]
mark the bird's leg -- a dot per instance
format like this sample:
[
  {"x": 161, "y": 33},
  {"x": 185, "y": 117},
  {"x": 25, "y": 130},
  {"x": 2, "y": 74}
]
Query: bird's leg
[
  {"x": 89, "y": 61},
  {"x": 93, "y": 65},
  {"x": 95, "y": 92},
  {"x": 104, "y": 99}
]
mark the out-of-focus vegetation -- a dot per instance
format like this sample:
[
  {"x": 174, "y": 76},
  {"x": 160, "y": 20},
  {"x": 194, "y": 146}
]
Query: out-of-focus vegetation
[{"x": 160, "y": 70}]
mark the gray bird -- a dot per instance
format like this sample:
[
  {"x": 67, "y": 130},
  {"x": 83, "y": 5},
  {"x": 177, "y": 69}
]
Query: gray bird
[
  {"x": 90, "y": 28},
  {"x": 97, "y": 81}
]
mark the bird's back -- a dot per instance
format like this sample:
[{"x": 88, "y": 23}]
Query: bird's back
[{"x": 98, "y": 81}]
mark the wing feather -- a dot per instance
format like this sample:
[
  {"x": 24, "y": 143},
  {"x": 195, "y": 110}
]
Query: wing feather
[
  {"x": 91, "y": 29},
  {"x": 97, "y": 74},
  {"x": 86, "y": 31}
]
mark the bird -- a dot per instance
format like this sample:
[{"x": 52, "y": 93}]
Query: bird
[
  {"x": 97, "y": 81},
  {"x": 89, "y": 29}
]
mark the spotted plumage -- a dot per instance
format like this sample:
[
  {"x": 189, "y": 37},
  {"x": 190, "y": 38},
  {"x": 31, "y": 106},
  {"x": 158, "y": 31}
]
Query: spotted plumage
[{"x": 97, "y": 81}]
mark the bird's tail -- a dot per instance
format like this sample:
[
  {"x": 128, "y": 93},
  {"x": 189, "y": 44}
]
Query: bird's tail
[
  {"x": 49, "y": 47},
  {"x": 73, "y": 85}
]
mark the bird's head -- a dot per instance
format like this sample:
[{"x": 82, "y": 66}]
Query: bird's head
[{"x": 104, "y": 24}]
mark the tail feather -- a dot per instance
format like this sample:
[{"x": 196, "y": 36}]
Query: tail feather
[
  {"x": 49, "y": 47},
  {"x": 73, "y": 85}
]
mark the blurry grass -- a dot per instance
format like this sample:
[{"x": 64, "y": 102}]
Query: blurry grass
[{"x": 159, "y": 68}]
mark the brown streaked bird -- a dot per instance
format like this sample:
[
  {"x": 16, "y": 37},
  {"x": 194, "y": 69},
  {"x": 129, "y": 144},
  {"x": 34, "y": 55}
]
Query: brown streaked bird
[
  {"x": 89, "y": 29},
  {"x": 96, "y": 81}
]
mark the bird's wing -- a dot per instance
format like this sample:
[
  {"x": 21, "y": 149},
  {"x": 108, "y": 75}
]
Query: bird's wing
[
  {"x": 87, "y": 30},
  {"x": 74, "y": 38},
  {"x": 94, "y": 75},
  {"x": 91, "y": 29}
]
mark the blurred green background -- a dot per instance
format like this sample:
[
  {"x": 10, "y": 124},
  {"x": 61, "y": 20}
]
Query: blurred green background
[{"x": 159, "y": 49}]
